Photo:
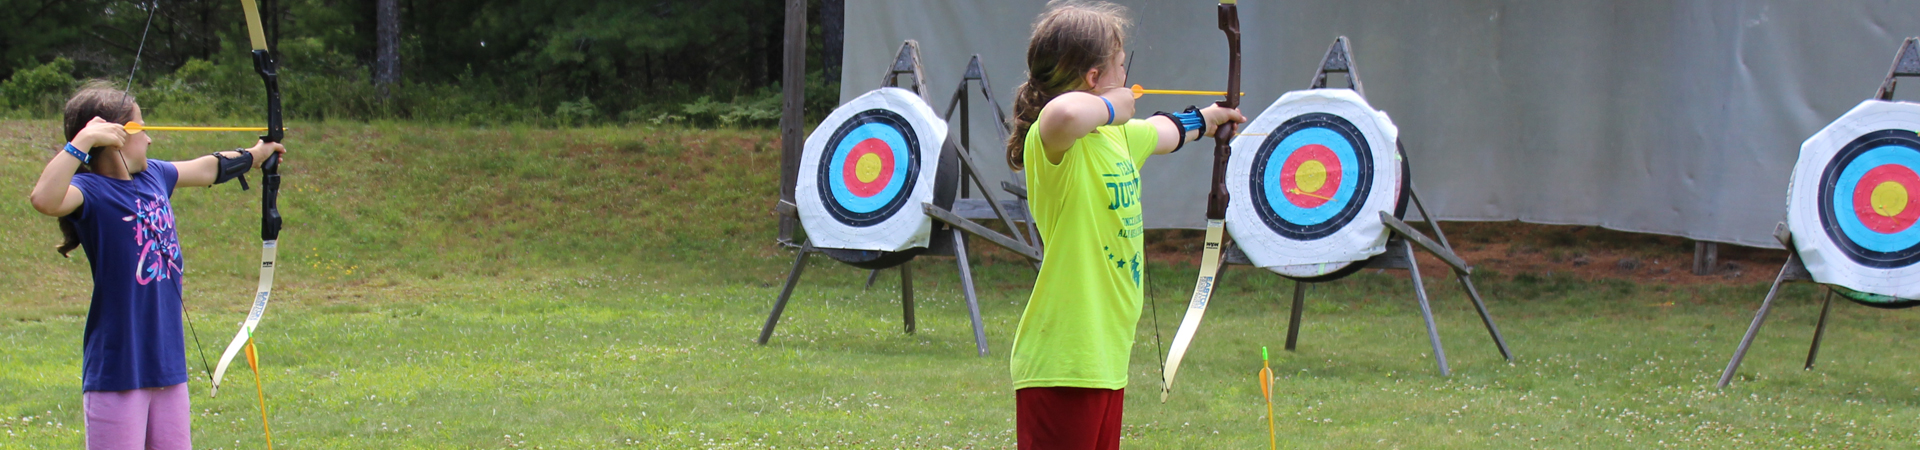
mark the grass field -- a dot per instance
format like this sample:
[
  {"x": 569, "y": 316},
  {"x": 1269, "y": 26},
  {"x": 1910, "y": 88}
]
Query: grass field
[{"x": 601, "y": 288}]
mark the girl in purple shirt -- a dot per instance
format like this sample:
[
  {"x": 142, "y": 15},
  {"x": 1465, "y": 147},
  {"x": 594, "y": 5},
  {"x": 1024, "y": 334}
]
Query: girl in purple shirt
[{"x": 115, "y": 203}]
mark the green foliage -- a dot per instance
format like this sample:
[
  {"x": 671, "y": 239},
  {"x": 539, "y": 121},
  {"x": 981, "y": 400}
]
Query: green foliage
[
  {"x": 575, "y": 113},
  {"x": 200, "y": 92},
  {"x": 762, "y": 109},
  {"x": 469, "y": 62},
  {"x": 40, "y": 90},
  {"x": 32, "y": 32},
  {"x": 318, "y": 84}
]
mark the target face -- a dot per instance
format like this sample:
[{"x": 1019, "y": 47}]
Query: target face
[
  {"x": 865, "y": 171},
  {"x": 874, "y": 163},
  {"x": 1307, "y": 176},
  {"x": 1872, "y": 198},
  {"x": 1308, "y": 179},
  {"x": 1855, "y": 201}
]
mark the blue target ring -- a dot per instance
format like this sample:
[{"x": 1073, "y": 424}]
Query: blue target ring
[
  {"x": 1839, "y": 188},
  {"x": 1329, "y": 208},
  {"x": 897, "y": 179},
  {"x": 901, "y": 152}
]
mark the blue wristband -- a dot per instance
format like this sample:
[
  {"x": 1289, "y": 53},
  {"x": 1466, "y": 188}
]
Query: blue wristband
[
  {"x": 1109, "y": 110},
  {"x": 80, "y": 155}
]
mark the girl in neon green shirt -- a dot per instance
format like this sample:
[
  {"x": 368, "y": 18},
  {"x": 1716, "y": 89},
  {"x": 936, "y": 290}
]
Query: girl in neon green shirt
[{"x": 1071, "y": 351}]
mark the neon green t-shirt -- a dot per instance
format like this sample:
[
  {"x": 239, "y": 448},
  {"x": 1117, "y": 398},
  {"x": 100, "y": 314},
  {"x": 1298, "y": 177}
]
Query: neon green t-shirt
[{"x": 1078, "y": 328}]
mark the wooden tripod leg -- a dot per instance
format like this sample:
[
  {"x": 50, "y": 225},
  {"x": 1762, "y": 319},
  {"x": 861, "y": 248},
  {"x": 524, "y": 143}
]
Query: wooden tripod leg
[
  {"x": 1759, "y": 318},
  {"x": 966, "y": 286},
  {"x": 906, "y": 295},
  {"x": 1819, "y": 329},
  {"x": 1426, "y": 311},
  {"x": 1486, "y": 319},
  {"x": 1293, "y": 320},
  {"x": 1466, "y": 280},
  {"x": 780, "y": 305}
]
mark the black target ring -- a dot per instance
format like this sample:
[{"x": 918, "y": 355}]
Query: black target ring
[
  {"x": 1361, "y": 152},
  {"x": 828, "y": 165}
]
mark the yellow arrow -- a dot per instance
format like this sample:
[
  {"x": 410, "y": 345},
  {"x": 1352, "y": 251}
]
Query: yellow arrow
[
  {"x": 137, "y": 127},
  {"x": 259, "y": 390},
  {"x": 1266, "y": 390},
  {"x": 1140, "y": 90},
  {"x": 1309, "y": 194}
]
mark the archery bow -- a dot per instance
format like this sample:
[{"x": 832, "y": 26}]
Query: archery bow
[
  {"x": 269, "y": 216},
  {"x": 1210, "y": 258},
  {"x": 269, "y": 193}
]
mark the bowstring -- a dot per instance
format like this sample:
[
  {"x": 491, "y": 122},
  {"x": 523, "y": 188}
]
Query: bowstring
[
  {"x": 196, "y": 341},
  {"x": 151, "y": 8},
  {"x": 1157, "y": 353}
]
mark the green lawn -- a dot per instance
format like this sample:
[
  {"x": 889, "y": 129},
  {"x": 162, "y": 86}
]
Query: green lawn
[{"x": 526, "y": 288}]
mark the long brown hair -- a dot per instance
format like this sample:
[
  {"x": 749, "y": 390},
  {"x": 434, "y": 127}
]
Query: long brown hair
[
  {"x": 1069, "y": 39},
  {"x": 96, "y": 98}
]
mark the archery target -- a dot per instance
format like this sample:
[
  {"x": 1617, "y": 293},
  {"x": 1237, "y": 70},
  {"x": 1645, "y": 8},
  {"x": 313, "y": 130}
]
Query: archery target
[
  {"x": 1854, "y": 200},
  {"x": 865, "y": 171},
  {"x": 1308, "y": 179}
]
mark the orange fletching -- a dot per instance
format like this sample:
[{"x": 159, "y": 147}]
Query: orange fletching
[
  {"x": 1266, "y": 383},
  {"x": 252, "y": 361}
]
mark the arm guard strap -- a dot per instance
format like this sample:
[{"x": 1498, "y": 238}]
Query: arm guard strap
[
  {"x": 1188, "y": 121},
  {"x": 234, "y": 167}
]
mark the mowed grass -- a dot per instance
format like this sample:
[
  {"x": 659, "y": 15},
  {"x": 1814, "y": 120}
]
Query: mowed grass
[{"x": 602, "y": 288}]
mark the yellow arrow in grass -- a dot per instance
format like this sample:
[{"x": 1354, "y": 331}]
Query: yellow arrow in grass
[
  {"x": 254, "y": 362},
  {"x": 136, "y": 127},
  {"x": 1266, "y": 390}
]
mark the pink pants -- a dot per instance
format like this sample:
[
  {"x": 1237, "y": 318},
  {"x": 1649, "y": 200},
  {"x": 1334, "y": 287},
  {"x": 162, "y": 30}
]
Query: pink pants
[{"x": 152, "y": 418}]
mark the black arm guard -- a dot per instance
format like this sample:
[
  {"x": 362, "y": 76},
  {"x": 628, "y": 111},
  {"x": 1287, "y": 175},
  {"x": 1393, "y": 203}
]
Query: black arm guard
[{"x": 235, "y": 167}]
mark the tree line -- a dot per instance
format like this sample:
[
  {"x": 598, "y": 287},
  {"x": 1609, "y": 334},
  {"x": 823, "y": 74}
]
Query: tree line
[{"x": 550, "y": 62}]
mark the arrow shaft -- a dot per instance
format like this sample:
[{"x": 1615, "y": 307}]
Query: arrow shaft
[
  {"x": 1184, "y": 92},
  {"x": 134, "y": 129},
  {"x": 1309, "y": 194}
]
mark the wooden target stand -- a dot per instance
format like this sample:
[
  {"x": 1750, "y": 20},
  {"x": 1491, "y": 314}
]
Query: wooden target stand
[
  {"x": 1400, "y": 245},
  {"x": 1906, "y": 63},
  {"x": 951, "y": 227}
]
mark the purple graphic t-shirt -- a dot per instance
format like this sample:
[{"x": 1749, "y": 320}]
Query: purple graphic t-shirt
[{"x": 133, "y": 337}]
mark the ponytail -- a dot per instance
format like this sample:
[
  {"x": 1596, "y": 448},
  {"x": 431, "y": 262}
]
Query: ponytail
[{"x": 1069, "y": 39}]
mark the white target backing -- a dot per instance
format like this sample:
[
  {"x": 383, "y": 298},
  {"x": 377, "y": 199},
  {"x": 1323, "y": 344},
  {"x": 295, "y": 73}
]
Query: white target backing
[
  {"x": 1854, "y": 200},
  {"x": 866, "y": 170},
  {"x": 1308, "y": 179}
]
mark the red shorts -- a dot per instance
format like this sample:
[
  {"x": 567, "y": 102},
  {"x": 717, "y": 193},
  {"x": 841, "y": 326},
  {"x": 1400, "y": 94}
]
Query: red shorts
[{"x": 1068, "y": 418}]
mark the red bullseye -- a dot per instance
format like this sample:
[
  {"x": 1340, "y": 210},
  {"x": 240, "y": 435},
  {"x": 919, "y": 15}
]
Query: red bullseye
[
  {"x": 868, "y": 168},
  {"x": 1887, "y": 200},
  {"x": 1311, "y": 176}
]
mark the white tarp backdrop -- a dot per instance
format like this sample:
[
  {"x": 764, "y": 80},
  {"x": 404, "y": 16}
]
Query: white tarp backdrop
[{"x": 1678, "y": 117}]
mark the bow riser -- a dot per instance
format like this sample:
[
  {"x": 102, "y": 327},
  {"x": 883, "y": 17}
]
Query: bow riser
[
  {"x": 1223, "y": 135},
  {"x": 270, "y": 169}
]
